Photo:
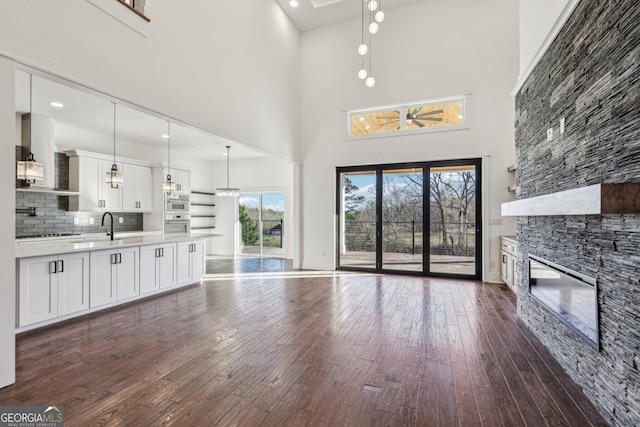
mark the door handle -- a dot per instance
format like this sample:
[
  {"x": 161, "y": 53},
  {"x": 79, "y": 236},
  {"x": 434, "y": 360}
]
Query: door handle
[
  {"x": 119, "y": 258},
  {"x": 53, "y": 267},
  {"x": 61, "y": 266},
  {"x": 162, "y": 252},
  {"x": 114, "y": 259}
]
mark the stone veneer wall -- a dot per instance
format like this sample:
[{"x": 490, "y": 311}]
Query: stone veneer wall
[
  {"x": 52, "y": 210},
  {"x": 591, "y": 76}
]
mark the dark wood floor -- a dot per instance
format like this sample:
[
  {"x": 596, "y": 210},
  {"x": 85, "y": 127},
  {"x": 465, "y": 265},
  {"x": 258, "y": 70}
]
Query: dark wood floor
[{"x": 327, "y": 349}]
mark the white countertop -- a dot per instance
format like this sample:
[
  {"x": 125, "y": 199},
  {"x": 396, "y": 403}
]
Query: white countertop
[{"x": 90, "y": 242}]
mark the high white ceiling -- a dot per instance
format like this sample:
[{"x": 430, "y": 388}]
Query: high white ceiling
[
  {"x": 87, "y": 111},
  {"x": 307, "y": 17}
]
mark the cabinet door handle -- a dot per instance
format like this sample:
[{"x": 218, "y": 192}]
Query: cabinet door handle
[
  {"x": 119, "y": 258},
  {"x": 60, "y": 266},
  {"x": 504, "y": 259},
  {"x": 113, "y": 258},
  {"x": 162, "y": 252},
  {"x": 53, "y": 267}
]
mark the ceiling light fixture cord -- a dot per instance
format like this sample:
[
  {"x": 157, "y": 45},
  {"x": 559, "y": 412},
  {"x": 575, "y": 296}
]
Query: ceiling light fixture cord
[
  {"x": 228, "y": 146},
  {"x": 114, "y": 132}
]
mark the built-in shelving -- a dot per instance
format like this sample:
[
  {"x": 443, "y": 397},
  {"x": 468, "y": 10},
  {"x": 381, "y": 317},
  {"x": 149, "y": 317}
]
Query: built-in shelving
[{"x": 202, "y": 211}]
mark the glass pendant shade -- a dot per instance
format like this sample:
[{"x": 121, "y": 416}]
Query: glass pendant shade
[
  {"x": 228, "y": 192},
  {"x": 29, "y": 170},
  {"x": 115, "y": 177},
  {"x": 363, "y": 49},
  {"x": 370, "y": 82},
  {"x": 362, "y": 74},
  {"x": 373, "y": 27},
  {"x": 379, "y": 16},
  {"x": 168, "y": 185},
  {"x": 373, "y": 5}
]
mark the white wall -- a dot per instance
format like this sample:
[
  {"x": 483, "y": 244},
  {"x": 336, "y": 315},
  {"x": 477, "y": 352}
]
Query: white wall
[
  {"x": 259, "y": 175},
  {"x": 7, "y": 225},
  {"x": 209, "y": 64},
  {"x": 540, "y": 21},
  {"x": 429, "y": 50}
]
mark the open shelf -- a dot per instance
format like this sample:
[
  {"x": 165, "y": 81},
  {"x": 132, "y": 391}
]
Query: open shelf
[{"x": 203, "y": 210}]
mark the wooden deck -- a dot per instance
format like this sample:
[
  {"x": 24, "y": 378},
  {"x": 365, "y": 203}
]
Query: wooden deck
[
  {"x": 302, "y": 348},
  {"x": 407, "y": 262}
]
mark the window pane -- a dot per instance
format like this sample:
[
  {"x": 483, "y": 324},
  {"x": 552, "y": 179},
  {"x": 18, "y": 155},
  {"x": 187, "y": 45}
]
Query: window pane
[
  {"x": 373, "y": 123},
  {"x": 358, "y": 220},
  {"x": 436, "y": 115}
]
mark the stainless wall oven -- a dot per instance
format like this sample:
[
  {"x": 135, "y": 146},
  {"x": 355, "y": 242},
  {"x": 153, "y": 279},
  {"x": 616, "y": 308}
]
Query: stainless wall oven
[{"x": 177, "y": 223}]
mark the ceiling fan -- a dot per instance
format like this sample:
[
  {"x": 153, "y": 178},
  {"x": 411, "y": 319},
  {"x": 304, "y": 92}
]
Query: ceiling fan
[{"x": 416, "y": 117}]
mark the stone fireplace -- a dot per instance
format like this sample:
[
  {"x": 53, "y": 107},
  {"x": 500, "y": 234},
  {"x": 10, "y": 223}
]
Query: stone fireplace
[{"x": 590, "y": 77}]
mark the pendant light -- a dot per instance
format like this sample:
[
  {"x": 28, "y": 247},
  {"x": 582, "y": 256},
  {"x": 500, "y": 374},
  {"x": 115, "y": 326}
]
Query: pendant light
[
  {"x": 29, "y": 170},
  {"x": 228, "y": 191},
  {"x": 374, "y": 17},
  {"x": 168, "y": 185},
  {"x": 114, "y": 176}
]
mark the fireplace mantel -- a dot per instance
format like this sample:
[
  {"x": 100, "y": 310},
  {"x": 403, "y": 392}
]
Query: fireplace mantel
[{"x": 598, "y": 199}]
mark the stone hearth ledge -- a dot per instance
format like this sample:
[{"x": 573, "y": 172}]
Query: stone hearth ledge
[{"x": 598, "y": 199}]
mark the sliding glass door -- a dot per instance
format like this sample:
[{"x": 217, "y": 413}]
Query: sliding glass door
[
  {"x": 262, "y": 224},
  {"x": 402, "y": 219},
  {"x": 358, "y": 219},
  {"x": 417, "y": 218},
  {"x": 453, "y": 227}
]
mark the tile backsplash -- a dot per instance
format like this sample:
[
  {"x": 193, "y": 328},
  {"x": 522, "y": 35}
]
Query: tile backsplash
[{"x": 53, "y": 217}]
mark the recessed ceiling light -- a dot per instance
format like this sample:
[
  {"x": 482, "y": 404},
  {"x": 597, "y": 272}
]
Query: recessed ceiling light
[
  {"x": 165, "y": 136},
  {"x": 293, "y": 3},
  {"x": 56, "y": 104}
]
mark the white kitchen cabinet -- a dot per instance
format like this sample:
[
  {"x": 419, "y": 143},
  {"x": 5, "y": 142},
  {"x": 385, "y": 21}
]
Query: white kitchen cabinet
[
  {"x": 114, "y": 275},
  {"x": 52, "y": 286},
  {"x": 157, "y": 267},
  {"x": 136, "y": 191},
  {"x": 508, "y": 249},
  {"x": 88, "y": 176},
  {"x": 190, "y": 263}
]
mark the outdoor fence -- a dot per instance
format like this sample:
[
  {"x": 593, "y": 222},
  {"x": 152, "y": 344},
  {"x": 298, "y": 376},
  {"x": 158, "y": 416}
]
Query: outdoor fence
[{"x": 407, "y": 237}]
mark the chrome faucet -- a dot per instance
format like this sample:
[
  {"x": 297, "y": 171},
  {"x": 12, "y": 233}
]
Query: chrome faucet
[{"x": 105, "y": 214}]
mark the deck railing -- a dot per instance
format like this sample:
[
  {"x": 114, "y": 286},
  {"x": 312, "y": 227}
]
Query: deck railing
[{"x": 455, "y": 238}]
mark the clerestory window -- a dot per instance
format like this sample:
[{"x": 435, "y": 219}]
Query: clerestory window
[{"x": 423, "y": 116}]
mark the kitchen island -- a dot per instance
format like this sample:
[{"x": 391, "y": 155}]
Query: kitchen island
[{"x": 61, "y": 278}]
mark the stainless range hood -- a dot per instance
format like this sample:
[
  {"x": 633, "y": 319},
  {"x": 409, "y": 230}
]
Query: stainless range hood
[{"x": 38, "y": 138}]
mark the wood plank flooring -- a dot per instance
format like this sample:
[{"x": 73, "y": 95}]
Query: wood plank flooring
[{"x": 297, "y": 348}]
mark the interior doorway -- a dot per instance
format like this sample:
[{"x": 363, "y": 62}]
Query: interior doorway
[
  {"x": 262, "y": 225},
  {"x": 415, "y": 218}
]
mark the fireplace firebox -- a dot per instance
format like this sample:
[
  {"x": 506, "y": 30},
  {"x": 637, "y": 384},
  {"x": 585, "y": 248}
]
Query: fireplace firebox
[{"x": 570, "y": 296}]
